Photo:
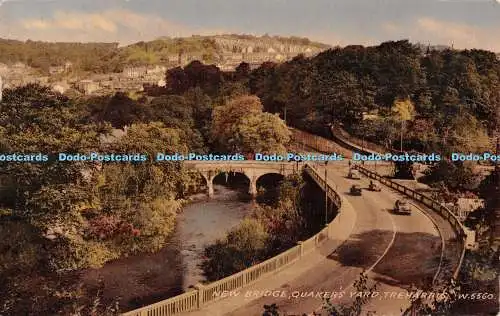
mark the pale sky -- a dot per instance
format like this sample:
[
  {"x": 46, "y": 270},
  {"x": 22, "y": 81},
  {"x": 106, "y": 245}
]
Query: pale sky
[{"x": 463, "y": 23}]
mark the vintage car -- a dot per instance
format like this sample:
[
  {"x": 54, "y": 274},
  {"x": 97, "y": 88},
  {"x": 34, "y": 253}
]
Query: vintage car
[
  {"x": 402, "y": 207},
  {"x": 353, "y": 174},
  {"x": 355, "y": 190},
  {"x": 374, "y": 186}
]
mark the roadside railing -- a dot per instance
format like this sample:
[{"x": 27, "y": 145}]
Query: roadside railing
[
  {"x": 446, "y": 213},
  {"x": 318, "y": 143},
  {"x": 207, "y": 293},
  {"x": 353, "y": 143},
  {"x": 432, "y": 204}
]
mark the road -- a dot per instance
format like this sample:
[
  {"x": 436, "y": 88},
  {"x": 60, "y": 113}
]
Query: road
[{"x": 396, "y": 250}]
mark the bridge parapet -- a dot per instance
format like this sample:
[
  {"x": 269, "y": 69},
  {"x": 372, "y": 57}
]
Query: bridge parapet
[{"x": 252, "y": 169}]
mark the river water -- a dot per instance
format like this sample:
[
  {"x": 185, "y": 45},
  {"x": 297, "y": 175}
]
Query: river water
[
  {"x": 147, "y": 278},
  {"x": 204, "y": 222}
]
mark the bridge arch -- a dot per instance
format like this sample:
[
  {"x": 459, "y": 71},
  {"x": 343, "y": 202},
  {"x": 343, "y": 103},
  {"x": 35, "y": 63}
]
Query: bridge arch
[
  {"x": 252, "y": 170},
  {"x": 270, "y": 184},
  {"x": 236, "y": 179}
]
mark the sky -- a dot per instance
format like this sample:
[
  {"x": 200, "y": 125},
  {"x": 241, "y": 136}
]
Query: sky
[{"x": 461, "y": 23}]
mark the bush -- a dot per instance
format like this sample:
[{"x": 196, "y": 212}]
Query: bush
[
  {"x": 19, "y": 247},
  {"x": 243, "y": 247}
]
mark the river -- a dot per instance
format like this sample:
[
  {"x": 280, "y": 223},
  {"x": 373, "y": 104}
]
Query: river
[
  {"x": 147, "y": 278},
  {"x": 202, "y": 223}
]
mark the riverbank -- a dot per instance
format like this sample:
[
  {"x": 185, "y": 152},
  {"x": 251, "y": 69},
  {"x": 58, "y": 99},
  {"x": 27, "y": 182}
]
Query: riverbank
[{"x": 147, "y": 278}]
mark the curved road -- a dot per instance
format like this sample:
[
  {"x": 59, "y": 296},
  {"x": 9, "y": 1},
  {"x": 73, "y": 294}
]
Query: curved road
[{"x": 397, "y": 250}]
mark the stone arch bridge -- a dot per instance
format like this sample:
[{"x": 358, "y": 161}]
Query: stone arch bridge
[{"x": 253, "y": 170}]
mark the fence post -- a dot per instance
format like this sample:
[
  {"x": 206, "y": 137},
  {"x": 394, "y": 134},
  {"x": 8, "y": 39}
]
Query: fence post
[
  {"x": 299, "y": 243},
  {"x": 201, "y": 293}
]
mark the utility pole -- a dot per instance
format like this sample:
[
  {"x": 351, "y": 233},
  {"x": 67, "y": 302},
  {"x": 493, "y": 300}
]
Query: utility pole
[
  {"x": 401, "y": 143},
  {"x": 326, "y": 192}
]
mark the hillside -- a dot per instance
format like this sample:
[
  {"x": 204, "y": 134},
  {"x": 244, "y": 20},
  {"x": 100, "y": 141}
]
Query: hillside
[{"x": 109, "y": 57}]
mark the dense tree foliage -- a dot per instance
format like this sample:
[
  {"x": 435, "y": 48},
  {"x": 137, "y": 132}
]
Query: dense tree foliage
[
  {"x": 268, "y": 231},
  {"x": 60, "y": 217},
  {"x": 72, "y": 215},
  {"x": 241, "y": 126},
  {"x": 445, "y": 87}
]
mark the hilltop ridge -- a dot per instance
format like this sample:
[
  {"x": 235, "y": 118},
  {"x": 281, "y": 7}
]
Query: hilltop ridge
[{"x": 224, "y": 50}]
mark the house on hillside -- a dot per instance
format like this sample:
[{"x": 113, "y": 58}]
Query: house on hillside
[
  {"x": 134, "y": 72},
  {"x": 227, "y": 67},
  {"x": 156, "y": 70},
  {"x": 87, "y": 86},
  {"x": 60, "y": 87},
  {"x": 19, "y": 66},
  {"x": 68, "y": 66},
  {"x": 254, "y": 65},
  {"x": 173, "y": 58},
  {"x": 248, "y": 49},
  {"x": 161, "y": 83},
  {"x": 279, "y": 57},
  {"x": 55, "y": 70},
  {"x": 4, "y": 69},
  {"x": 258, "y": 57}
]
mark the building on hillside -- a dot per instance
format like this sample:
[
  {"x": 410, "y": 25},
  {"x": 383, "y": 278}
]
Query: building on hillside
[
  {"x": 231, "y": 57},
  {"x": 68, "y": 66},
  {"x": 191, "y": 58},
  {"x": 309, "y": 52},
  {"x": 173, "y": 58},
  {"x": 88, "y": 86},
  {"x": 254, "y": 65},
  {"x": 60, "y": 87},
  {"x": 162, "y": 83},
  {"x": 4, "y": 69},
  {"x": 55, "y": 70},
  {"x": 227, "y": 67},
  {"x": 157, "y": 70},
  {"x": 19, "y": 66},
  {"x": 279, "y": 57},
  {"x": 42, "y": 80},
  {"x": 134, "y": 72},
  {"x": 258, "y": 57}
]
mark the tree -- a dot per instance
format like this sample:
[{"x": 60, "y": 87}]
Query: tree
[
  {"x": 175, "y": 112},
  {"x": 122, "y": 110},
  {"x": 261, "y": 133},
  {"x": 457, "y": 176},
  {"x": 243, "y": 71},
  {"x": 404, "y": 111},
  {"x": 466, "y": 134},
  {"x": 241, "y": 126}
]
